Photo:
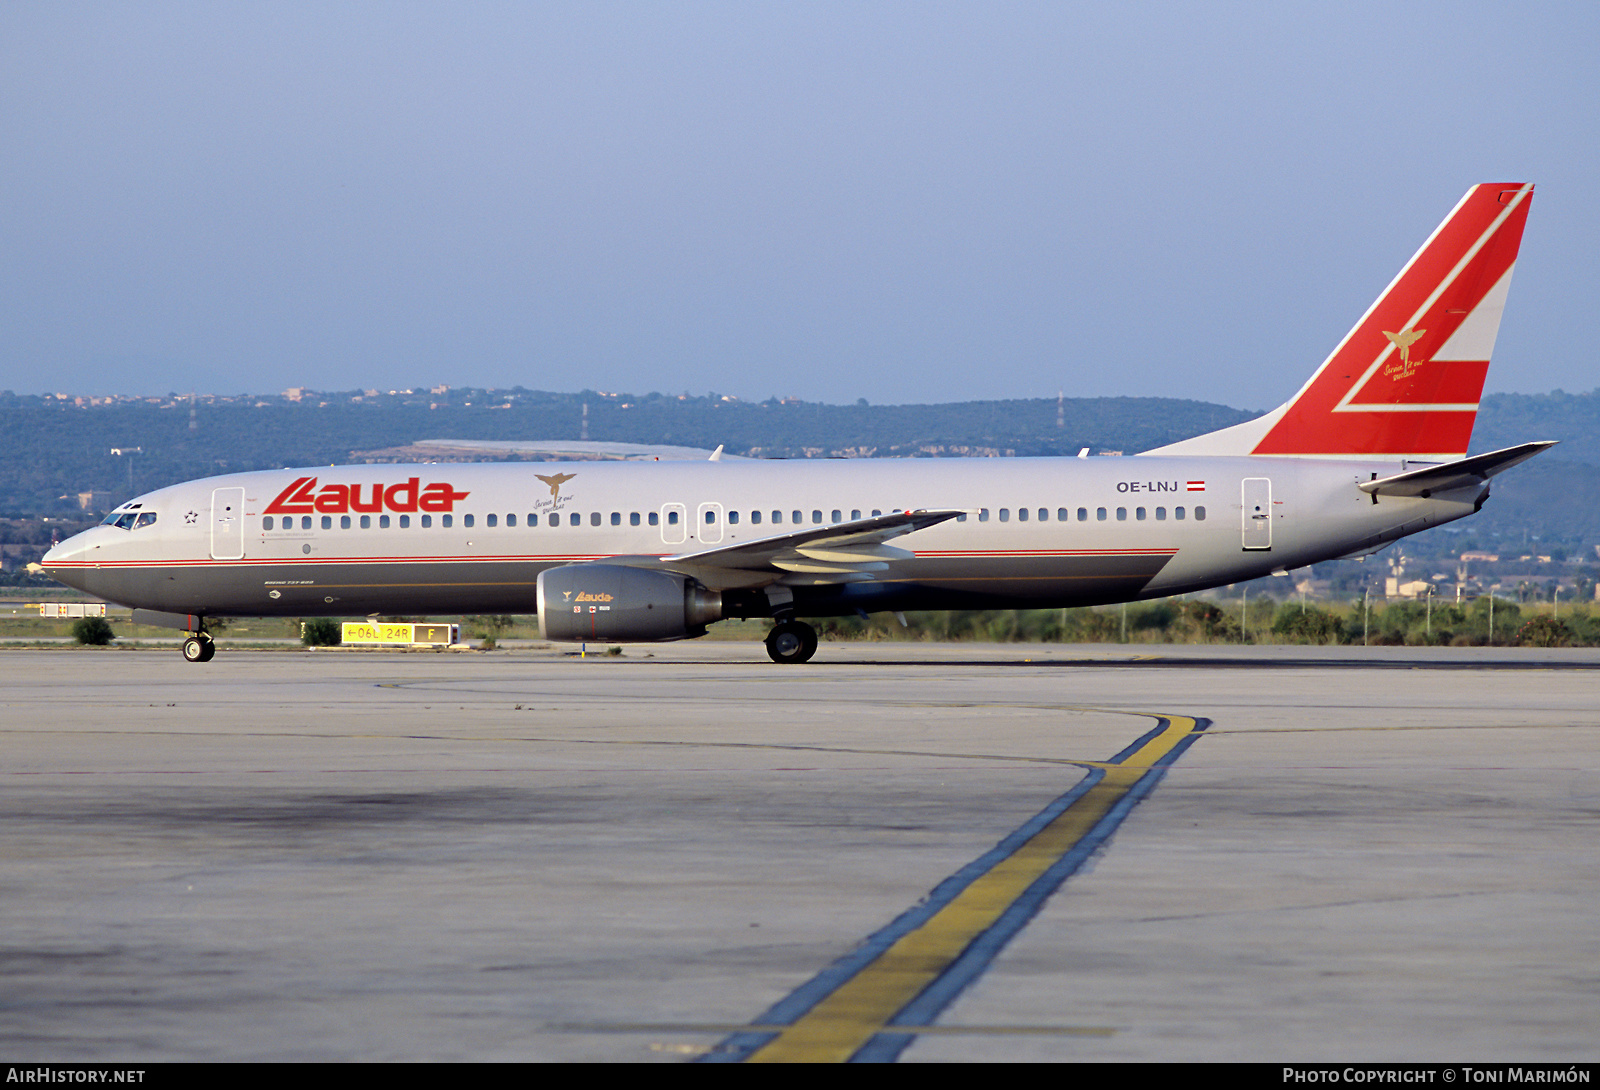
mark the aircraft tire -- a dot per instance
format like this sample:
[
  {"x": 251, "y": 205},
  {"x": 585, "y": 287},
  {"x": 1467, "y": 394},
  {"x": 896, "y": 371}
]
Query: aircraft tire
[
  {"x": 791, "y": 642},
  {"x": 198, "y": 649}
]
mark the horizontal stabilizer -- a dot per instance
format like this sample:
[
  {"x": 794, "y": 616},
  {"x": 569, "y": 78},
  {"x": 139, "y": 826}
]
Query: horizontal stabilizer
[{"x": 1442, "y": 478}]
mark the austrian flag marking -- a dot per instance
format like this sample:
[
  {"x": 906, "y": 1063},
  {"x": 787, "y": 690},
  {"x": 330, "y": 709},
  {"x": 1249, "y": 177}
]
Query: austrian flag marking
[
  {"x": 303, "y": 497},
  {"x": 1197, "y": 486}
]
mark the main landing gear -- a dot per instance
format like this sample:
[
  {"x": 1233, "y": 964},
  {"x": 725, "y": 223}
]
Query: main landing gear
[
  {"x": 199, "y": 647},
  {"x": 791, "y": 641}
]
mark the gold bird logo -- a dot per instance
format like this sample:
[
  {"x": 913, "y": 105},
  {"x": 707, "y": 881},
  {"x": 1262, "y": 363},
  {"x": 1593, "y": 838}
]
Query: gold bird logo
[
  {"x": 1403, "y": 340},
  {"x": 556, "y": 482}
]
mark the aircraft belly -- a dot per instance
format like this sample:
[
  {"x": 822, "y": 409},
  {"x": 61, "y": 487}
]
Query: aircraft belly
[
  {"x": 1020, "y": 582},
  {"x": 351, "y": 589}
]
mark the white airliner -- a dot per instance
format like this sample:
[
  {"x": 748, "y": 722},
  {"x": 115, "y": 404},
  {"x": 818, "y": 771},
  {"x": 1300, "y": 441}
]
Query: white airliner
[{"x": 1371, "y": 449}]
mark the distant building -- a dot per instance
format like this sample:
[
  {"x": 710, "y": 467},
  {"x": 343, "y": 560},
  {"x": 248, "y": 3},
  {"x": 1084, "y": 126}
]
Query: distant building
[
  {"x": 1416, "y": 588},
  {"x": 94, "y": 501}
]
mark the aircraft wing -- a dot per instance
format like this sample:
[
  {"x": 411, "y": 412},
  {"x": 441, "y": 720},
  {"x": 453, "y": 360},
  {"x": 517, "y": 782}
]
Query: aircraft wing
[
  {"x": 1460, "y": 474},
  {"x": 843, "y": 552}
]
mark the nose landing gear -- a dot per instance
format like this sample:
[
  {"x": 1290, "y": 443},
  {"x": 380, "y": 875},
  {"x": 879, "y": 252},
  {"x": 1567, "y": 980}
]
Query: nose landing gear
[{"x": 791, "y": 641}]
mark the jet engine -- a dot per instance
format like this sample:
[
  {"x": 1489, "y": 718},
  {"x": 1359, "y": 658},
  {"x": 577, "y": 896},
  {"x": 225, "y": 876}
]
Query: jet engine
[{"x": 583, "y": 602}]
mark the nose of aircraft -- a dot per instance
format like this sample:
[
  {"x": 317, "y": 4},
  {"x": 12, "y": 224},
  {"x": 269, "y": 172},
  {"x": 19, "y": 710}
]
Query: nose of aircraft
[{"x": 67, "y": 551}]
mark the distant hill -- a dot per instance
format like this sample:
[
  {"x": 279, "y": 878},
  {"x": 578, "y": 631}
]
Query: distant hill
[
  {"x": 1507, "y": 419},
  {"x": 52, "y": 448}
]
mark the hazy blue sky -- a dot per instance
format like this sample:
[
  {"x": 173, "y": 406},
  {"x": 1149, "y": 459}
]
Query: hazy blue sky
[{"x": 903, "y": 202}]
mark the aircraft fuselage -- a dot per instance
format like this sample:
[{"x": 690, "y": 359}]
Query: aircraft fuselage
[{"x": 357, "y": 540}]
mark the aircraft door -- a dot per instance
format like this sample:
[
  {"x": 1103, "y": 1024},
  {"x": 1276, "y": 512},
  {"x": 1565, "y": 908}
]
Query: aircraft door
[
  {"x": 674, "y": 523},
  {"x": 710, "y": 523},
  {"x": 1256, "y": 512},
  {"x": 227, "y": 523}
]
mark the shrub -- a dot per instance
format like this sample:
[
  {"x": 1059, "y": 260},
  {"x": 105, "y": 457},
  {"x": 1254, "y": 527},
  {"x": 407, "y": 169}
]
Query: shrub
[
  {"x": 490, "y": 626},
  {"x": 1307, "y": 625},
  {"x": 1151, "y": 615},
  {"x": 1544, "y": 632},
  {"x": 1206, "y": 621},
  {"x": 321, "y": 632},
  {"x": 92, "y": 631}
]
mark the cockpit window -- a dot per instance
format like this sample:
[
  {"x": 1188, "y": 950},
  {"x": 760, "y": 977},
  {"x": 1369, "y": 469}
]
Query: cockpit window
[{"x": 129, "y": 520}]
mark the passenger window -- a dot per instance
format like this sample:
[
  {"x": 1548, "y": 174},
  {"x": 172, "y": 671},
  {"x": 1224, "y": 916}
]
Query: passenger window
[
  {"x": 794, "y": 517},
  {"x": 876, "y": 512},
  {"x": 427, "y": 521},
  {"x": 836, "y": 517},
  {"x": 672, "y": 518},
  {"x": 1122, "y": 514},
  {"x": 755, "y": 518},
  {"x": 344, "y": 522},
  {"x": 383, "y": 522},
  {"x": 655, "y": 519},
  {"x": 854, "y": 515},
  {"x": 489, "y": 520},
  {"x": 1199, "y": 514},
  {"x": 1005, "y": 514},
  {"x": 1100, "y": 514},
  {"x": 305, "y": 522},
  {"x": 1177, "y": 513},
  {"x": 405, "y": 522},
  {"x": 575, "y": 519},
  {"x": 594, "y": 518},
  {"x": 446, "y": 521},
  {"x": 1083, "y": 515},
  {"x": 983, "y": 514},
  {"x": 266, "y": 523},
  {"x": 616, "y": 518},
  {"x": 327, "y": 522},
  {"x": 533, "y": 518},
  {"x": 1161, "y": 514},
  {"x": 816, "y": 518},
  {"x": 733, "y": 518},
  {"x": 711, "y": 518},
  {"x": 1022, "y": 514},
  {"x": 466, "y": 521},
  {"x": 1044, "y": 514},
  {"x": 633, "y": 518},
  {"x": 1138, "y": 513},
  {"x": 366, "y": 522},
  {"x": 961, "y": 517},
  {"x": 511, "y": 520}
]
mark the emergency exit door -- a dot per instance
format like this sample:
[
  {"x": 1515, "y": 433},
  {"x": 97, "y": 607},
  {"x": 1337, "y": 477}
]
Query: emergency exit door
[{"x": 1256, "y": 513}]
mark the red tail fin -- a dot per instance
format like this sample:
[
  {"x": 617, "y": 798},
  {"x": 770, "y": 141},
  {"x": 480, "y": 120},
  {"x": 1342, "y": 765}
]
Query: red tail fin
[{"x": 1407, "y": 379}]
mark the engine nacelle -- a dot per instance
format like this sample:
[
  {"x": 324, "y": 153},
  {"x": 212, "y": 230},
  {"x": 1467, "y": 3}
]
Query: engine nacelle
[{"x": 598, "y": 602}]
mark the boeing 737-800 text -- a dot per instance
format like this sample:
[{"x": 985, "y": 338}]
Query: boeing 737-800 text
[{"x": 1372, "y": 448}]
